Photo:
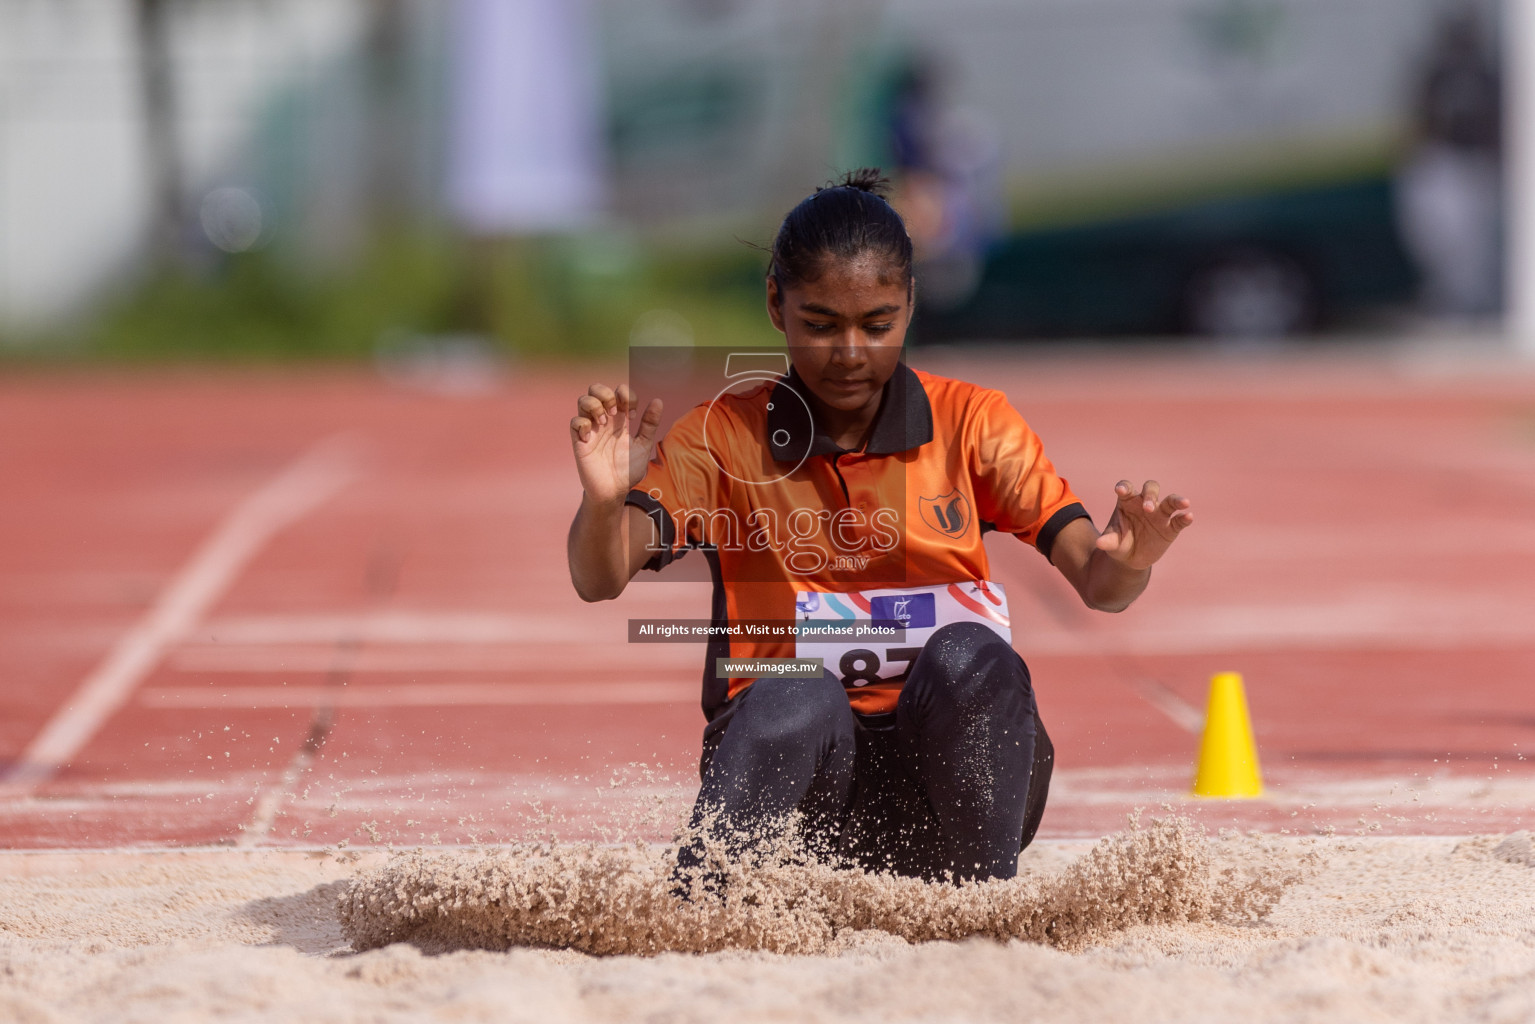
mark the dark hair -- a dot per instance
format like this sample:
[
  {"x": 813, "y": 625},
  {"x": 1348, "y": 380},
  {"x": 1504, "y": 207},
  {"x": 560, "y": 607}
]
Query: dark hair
[{"x": 842, "y": 220}]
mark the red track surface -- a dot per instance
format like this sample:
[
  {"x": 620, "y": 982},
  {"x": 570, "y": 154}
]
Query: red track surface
[{"x": 405, "y": 659}]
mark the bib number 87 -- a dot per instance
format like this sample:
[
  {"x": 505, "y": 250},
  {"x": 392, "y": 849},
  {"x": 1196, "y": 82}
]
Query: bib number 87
[{"x": 860, "y": 666}]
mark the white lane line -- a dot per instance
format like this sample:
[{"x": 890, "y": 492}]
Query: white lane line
[
  {"x": 309, "y": 480},
  {"x": 524, "y": 661},
  {"x": 400, "y": 627},
  {"x": 1374, "y": 621},
  {"x": 1502, "y": 635},
  {"x": 1380, "y": 619},
  {"x": 545, "y": 655},
  {"x": 420, "y": 695},
  {"x": 271, "y": 801},
  {"x": 1183, "y": 714}
]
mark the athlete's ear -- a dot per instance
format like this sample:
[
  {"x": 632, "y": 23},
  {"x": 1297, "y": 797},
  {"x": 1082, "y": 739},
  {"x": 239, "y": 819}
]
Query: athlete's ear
[{"x": 775, "y": 303}]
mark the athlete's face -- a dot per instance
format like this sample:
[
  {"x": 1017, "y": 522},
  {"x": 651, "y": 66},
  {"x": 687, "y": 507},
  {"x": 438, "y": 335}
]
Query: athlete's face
[{"x": 845, "y": 330}]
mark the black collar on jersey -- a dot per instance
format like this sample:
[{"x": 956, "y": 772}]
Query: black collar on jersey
[{"x": 904, "y": 420}]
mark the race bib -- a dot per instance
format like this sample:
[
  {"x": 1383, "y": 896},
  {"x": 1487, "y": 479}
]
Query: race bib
[{"x": 921, "y": 611}]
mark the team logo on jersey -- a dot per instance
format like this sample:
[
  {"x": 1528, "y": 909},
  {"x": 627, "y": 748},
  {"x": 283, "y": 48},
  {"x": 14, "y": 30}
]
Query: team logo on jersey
[{"x": 949, "y": 513}]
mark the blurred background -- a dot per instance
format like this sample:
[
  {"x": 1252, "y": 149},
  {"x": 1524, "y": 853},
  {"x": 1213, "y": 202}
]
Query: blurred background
[{"x": 259, "y": 179}]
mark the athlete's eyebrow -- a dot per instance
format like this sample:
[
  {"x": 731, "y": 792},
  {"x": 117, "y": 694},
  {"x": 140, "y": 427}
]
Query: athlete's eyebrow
[{"x": 820, "y": 310}]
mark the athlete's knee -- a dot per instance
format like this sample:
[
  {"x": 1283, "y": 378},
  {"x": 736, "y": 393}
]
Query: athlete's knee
[
  {"x": 789, "y": 713},
  {"x": 966, "y": 661}
]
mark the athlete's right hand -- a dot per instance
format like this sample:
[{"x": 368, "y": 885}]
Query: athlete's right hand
[{"x": 609, "y": 460}]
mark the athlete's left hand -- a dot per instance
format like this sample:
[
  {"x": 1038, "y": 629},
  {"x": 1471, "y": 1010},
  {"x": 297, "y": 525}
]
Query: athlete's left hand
[{"x": 1144, "y": 524}]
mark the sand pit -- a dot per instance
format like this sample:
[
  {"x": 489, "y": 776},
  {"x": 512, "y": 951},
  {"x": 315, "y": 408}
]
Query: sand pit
[{"x": 1156, "y": 925}]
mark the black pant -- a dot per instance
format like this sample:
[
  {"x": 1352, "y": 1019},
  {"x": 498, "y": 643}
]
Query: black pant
[{"x": 953, "y": 782}]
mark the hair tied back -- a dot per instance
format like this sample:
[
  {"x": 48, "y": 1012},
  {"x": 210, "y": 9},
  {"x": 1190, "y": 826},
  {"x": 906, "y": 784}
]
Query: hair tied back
[
  {"x": 866, "y": 179},
  {"x": 842, "y": 220}
]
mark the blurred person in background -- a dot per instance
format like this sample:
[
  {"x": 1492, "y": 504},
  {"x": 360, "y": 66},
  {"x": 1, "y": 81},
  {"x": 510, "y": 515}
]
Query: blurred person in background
[
  {"x": 947, "y": 164},
  {"x": 1449, "y": 191}
]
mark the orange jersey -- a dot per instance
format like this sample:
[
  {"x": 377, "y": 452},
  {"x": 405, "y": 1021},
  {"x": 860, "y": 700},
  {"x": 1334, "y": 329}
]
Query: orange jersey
[{"x": 786, "y": 516}]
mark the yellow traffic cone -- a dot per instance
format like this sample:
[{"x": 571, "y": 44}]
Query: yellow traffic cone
[{"x": 1228, "y": 759}]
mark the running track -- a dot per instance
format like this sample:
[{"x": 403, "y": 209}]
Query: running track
[{"x": 301, "y": 608}]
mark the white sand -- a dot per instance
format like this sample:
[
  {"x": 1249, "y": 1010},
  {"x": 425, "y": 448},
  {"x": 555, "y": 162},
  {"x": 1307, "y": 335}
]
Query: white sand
[{"x": 1394, "y": 929}]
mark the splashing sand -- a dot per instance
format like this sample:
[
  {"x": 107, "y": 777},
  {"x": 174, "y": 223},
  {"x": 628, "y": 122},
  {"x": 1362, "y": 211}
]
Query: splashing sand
[{"x": 606, "y": 900}]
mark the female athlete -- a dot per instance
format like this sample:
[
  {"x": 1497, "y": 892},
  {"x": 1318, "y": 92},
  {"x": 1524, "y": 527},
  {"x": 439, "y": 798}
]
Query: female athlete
[{"x": 852, "y": 494}]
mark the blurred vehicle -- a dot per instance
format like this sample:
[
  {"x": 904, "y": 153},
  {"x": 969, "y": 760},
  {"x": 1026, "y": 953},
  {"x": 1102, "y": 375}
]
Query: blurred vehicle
[{"x": 1253, "y": 265}]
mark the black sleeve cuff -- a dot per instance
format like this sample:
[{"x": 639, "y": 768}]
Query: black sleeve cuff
[
  {"x": 1045, "y": 542},
  {"x": 664, "y": 528}
]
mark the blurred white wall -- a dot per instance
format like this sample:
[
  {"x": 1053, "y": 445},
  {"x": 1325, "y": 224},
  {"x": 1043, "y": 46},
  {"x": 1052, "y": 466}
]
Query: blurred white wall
[
  {"x": 713, "y": 109},
  {"x": 1073, "y": 83},
  {"x": 74, "y": 199},
  {"x": 716, "y": 100}
]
